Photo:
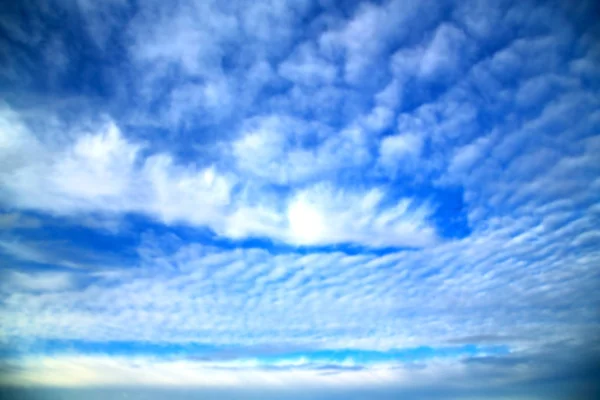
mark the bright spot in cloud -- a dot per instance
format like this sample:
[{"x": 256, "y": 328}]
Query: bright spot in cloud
[{"x": 306, "y": 222}]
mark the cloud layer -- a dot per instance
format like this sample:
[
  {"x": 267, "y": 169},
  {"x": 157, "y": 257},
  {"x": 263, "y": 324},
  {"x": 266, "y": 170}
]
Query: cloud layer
[{"x": 306, "y": 175}]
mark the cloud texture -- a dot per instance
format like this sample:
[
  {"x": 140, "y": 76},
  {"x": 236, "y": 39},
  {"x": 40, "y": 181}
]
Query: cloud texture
[{"x": 277, "y": 179}]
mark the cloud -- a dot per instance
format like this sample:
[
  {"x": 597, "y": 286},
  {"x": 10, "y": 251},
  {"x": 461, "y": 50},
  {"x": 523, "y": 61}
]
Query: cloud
[
  {"x": 98, "y": 172},
  {"x": 26, "y": 252},
  {"x": 50, "y": 252},
  {"x": 106, "y": 173},
  {"x": 320, "y": 215},
  {"x": 447, "y": 49},
  {"x": 466, "y": 157},
  {"x": 452, "y": 378},
  {"x": 302, "y": 175},
  {"x": 179, "y": 39},
  {"x": 399, "y": 149},
  {"x": 371, "y": 31},
  {"x": 305, "y": 67},
  {"x": 51, "y": 281},
  {"x": 286, "y": 150},
  {"x": 105, "y": 371},
  {"x": 197, "y": 293}
]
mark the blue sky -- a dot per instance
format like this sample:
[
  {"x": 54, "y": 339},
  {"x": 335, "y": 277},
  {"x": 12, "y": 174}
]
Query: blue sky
[{"x": 389, "y": 197}]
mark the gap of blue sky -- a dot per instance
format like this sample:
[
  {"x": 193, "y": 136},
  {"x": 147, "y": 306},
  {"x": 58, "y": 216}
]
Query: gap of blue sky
[{"x": 241, "y": 199}]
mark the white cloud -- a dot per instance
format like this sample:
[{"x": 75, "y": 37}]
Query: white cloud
[
  {"x": 201, "y": 63},
  {"x": 262, "y": 148},
  {"x": 44, "y": 281},
  {"x": 50, "y": 253},
  {"x": 212, "y": 99},
  {"x": 81, "y": 371},
  {"x": 445, "y": 53},
  {"x": 17, "y": 146},
  {"x": 372, "y": 30},
  {"x": 466, "y": 157},
  {"x": 305, "y": 67},
  {"x": 400, "y": 151},
  {"x": 100, "y": 172},
  {"x": 380, "y": 118},
  {"x": 534, "y": 90},
  {"x": 174, "y": 35},
  {"x": 507, "y": 269},
  {"x": 404, "y": 63},
  {"x": 322, "y": 215},
  {"x": 254, "y": 220},
  {"x": 286, "y": 150},
  {"x": 103, "y": 172},
  {"x": 98, "y": 166},
  {"x": 184, "y": 193},
  {"x": 483, "y": 19},
  {"x": 439, "y": 57},
  {"x": 456, "y": 377},
  {"x": 24, "y": 252}
]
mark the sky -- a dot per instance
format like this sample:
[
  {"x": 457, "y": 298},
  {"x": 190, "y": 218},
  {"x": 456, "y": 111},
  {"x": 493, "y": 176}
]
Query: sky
[{"x": 299, "y": 199}]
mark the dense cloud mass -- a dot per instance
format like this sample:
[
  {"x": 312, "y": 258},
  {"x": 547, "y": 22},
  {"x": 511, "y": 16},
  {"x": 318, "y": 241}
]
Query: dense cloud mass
[{"x": 400, "y": 197}]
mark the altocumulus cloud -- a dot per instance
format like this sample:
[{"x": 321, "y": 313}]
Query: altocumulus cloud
[{"x": 393, "y": 198}]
